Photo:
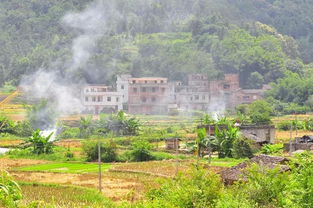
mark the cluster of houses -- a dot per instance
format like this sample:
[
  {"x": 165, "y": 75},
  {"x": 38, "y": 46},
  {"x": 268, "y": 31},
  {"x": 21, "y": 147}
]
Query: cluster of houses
[{"x": 158, "y": 95}]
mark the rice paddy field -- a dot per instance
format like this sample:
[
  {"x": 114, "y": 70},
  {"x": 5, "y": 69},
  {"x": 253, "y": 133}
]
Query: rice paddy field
[{"x": 52, "y": 181}]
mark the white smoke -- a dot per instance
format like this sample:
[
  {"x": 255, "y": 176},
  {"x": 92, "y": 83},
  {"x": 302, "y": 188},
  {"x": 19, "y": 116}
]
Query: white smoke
[
  {"x": 217, "y": 107},
  {"x": 91, "y": 24},
  {"x": 57, "y": 87}
]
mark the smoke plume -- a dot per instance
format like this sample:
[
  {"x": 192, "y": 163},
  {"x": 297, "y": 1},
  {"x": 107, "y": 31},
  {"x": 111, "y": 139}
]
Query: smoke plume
[{"x": 57, "y": 87}]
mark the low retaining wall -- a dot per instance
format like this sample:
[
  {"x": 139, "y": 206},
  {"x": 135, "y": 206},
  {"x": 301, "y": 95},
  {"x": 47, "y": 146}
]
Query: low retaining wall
[{"x": 298, "y": 146}]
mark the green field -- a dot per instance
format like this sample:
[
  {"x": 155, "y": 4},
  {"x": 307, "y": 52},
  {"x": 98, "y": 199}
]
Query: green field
[{"x": 66, "y": 167}]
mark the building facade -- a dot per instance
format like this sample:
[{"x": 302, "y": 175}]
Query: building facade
[
  {"x": 156, "y": 95},
  {"x": 99, "y": 98},
  {"x": 148, "y": 95}
]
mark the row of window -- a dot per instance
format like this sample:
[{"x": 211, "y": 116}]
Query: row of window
[
  {"x": 144, "y": 99},
  {"x": 146, "y": 81},
  {"x": 102, "y": 89},
  {"x": 100, "y": 99},
  {"x": 197, "y": 97},
  {"x": 149, "y": 89}
]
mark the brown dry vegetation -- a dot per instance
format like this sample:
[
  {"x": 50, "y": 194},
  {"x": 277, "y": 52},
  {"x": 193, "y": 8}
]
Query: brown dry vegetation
[
  {"x": 116, "y": 186},
  {"x": 159, "y": 168},
  {"x": 284, "y": 136},
  {"x": 69, "y": 143},
  {"x": 6, "y": 163},
  {"x": 57, "y": 196},
  {"x": 10, "y": 142}
]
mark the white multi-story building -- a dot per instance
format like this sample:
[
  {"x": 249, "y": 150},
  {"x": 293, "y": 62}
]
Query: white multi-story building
[
  {"x": 122, "y": 85},
  {"x": 99, "y": 98}
]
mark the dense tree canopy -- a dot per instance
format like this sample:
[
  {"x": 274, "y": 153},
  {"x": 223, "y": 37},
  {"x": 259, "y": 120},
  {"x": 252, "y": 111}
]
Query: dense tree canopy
[{"x": 166, "y": 38}]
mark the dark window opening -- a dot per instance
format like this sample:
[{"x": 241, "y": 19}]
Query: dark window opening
[
  {"x": 144, "y": 99},
  {"x": 143, "y": 89},
  {"x": 226, "y": 86},
  {"x": 86, "y": 99},
  {"x": 153, "y": 99},
  {"x": 122, "y": 87},
  {"x": 109, "y": 99},
  {"x": 135, "y": 89}
]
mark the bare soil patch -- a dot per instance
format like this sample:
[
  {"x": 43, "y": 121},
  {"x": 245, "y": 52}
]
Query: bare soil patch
[{"x": 6, "y": 163}]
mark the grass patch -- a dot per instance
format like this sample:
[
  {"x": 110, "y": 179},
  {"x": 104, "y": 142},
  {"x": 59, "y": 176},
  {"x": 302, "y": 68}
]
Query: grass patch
[
  {"x": 66, "y": 167},
  {"x": 59, "y": 155},
  {"x": 226, "y": 162}
]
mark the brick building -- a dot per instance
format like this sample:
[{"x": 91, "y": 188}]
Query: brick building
[{"x": 148, "y": 95}]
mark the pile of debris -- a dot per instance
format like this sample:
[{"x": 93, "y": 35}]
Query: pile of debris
[{"x": 235, "y": 173}]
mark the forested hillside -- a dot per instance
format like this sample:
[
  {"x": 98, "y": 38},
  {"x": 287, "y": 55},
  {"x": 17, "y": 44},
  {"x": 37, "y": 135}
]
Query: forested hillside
[{"x": 262, "y": 40}]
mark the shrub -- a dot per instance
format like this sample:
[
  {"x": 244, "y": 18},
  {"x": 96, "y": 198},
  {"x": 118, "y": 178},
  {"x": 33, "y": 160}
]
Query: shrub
[
  {"x": 69, "y": 155},
  {"x": 8, "y": 87},
  {"x": 141, "y": 151},
  {"x": 266, "y": 187},
  {"x": 10, "y": 191},
  {"x": 119, "y": 124},
  {"x": 242, "y": 148},
  {"x": 259, "y": 112},
  {"x": 41, "y": 115},
  {"x": 197, "y": 189},
  {"x": 39, "y": 144},
  {"x": 6, "y": 125},
  {"x": 308, "y": 124},
  {"x": 302, "y": 174},
  {"x": 285, "y": 125},
  {"x": 23, "y": 129},
  {"x": 69, "y": 132},
  {"x": 270, "y": 149},
  {"x": 292, "y": 108},
  {"x": 86, "y": 127},
  {"x": 108, "y": 151}
]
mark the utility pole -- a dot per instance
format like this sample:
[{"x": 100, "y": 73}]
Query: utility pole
[
  {"x": 99, "y": 163},
  {"x": 210, "y": 149},
  {"x": 290, "y": 141},
  {"x": 296, "y": 124},
  {"x": 176, "y": 153}
]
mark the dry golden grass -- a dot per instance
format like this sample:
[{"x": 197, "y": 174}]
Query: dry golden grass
[
  {"x": 284, "y": 136},
  {"x": 291, "y": 117},
  {"x": 10, "y": 142},
  {"x": 69, "y": 143},
  {"x": 6, "y": 163},
  {"x": 166, "y": 168},
  {"x": 116, "y": 186},
  {"x": 62, "y": 196}
]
